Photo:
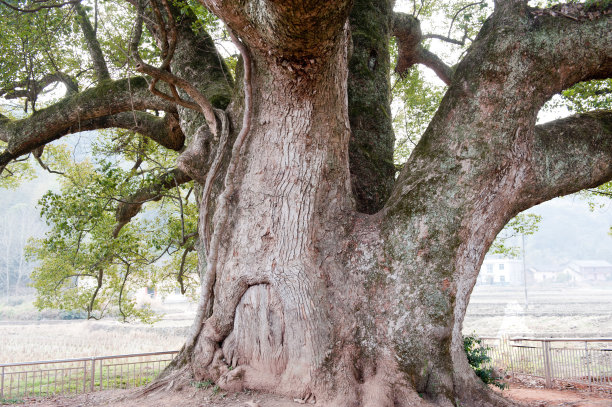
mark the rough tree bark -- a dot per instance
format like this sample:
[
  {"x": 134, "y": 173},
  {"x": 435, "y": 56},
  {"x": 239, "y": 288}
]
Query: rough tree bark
[{"x": 325, "y": 278}]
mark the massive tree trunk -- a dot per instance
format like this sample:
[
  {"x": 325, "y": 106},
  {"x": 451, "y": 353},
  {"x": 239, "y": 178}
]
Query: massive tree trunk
[{"x": 308, "y": 297}]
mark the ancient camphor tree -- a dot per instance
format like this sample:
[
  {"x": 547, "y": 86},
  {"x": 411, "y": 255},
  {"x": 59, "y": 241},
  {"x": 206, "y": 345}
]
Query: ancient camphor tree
[{"x": 325, "y": 275}]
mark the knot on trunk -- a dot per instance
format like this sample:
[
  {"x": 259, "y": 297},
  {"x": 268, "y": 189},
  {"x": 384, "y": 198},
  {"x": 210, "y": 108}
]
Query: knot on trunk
[{"x": 194, "y": 161}]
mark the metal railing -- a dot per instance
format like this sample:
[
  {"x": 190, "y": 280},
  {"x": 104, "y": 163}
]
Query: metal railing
[
  {"x": 584, "y": 361},
  {"x": 73, "y": 376}
]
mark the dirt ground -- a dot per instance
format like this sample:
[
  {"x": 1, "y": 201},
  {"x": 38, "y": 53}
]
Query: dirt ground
[{"x": 527, "y": 392}]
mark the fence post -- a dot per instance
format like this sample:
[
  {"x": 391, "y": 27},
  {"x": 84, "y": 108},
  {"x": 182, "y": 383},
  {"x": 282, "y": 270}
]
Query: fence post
[
  {"x": 93, "y": 373},
  {"x": 2, "y": 384},
  {"x": 508, "y": 351},
  {"x": 547, "y": 369},
  {"x": 588, "y": 363}
]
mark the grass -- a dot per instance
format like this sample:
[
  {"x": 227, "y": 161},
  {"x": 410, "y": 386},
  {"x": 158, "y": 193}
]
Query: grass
[
  {"x": 25, "y": 341},
  {"x": 11, "y": 400},
  {"x": 77, "y": 339},
  {"x": 553, "y": 311},
  {"x": 46, "y": 382}
]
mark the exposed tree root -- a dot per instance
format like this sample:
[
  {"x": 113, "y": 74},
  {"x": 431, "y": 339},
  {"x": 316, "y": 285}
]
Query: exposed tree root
[{"x": 172, "y": 380}]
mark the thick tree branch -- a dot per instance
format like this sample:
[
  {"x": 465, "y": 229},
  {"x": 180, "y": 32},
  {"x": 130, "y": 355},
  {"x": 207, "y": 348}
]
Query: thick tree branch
[
  {"x": 168, "y": 44},
  {"x": 571, "y": 154},
  {"x": 93, "y": 45},
  {"x": 163, "y": 130},
  {"x": 407, "y": 30},
  {"x": 130, "y": 207},
  {"x": 432, "y": 61},
  {"x": 31, "y": 89},
  {"x": 572, "y": 43},
  {"x": 532, "y": 54},
  {"x": 72, "y": 114},
  {"x": 286, "y": 28}
]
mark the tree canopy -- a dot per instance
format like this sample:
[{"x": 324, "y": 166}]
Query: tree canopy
[
  {"x": 247, "y": 151},
  {"x": 58, "y": 50}
]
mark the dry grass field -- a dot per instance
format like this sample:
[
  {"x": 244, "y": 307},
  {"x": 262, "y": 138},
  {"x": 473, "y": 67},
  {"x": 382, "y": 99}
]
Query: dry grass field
[
  {"x": 74, "y": 339},
  {"x": 553, "y": 311},
  {"x": 32, "y": 340}
]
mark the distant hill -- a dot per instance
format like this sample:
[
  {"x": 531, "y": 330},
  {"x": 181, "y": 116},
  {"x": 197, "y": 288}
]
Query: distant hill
[{"x": 570, "y": 231}]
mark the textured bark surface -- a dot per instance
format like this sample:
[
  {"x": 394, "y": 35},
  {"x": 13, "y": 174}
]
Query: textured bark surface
[
  {"x": 292, "y": 194},
  {"x": 369, "y": 94},
  {"x": 366, "y": 310}
]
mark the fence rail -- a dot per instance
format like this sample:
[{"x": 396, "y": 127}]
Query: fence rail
[
  {"x": 73, "y": 376},
  {"x": 585, "y": 361}
]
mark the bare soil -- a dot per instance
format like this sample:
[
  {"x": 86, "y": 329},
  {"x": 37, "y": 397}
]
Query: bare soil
[{"x": 528, "y": 392}]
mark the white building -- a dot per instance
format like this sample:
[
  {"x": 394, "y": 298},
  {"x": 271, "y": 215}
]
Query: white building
[
  {"x": 501, "y": 271},
  {"x": 546, "y": 274},
  {"x": 589, "y": 270}
]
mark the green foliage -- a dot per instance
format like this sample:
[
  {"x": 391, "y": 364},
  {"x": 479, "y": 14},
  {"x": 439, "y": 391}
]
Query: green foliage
[
  {"x": 80, "y": 266},
  {"x": 419, "y": 100},
  {"x": 203, "y": 385},
  {"x": 34, "y": 44},
  {"x": 477, "y": 357},
  {"x": 522, "y": 224},
  {"x": 585, "y": 96},
  {"x": 12, "y": 400},
  {"x": 597, "y": 3},
  {"x": 16, "y": 172}
]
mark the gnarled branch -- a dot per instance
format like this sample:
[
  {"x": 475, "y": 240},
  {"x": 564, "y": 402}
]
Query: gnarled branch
[
  {"x": 31, "y": 89},
  {"x": 72, "y": 114},
  {"x": 168, "y": 45},
  {"x": 571, "y": 154},
  {"x": 93, "y": 45},
  {"x": 130, "y": 207},
  {"x": 407, "y": 30}
]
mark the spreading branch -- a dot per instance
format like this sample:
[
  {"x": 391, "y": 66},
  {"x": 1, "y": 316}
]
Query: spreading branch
[
  {"x": 520, "y": 59},
  {"x": 165, "y": 130},
  {"x": 93, "y": 45},
  {"x": 77, "y": 113},
  {"x": 571, "y": 154},
  {"x": 407, "y": 30},
  {"x": 130, "y": 206}
]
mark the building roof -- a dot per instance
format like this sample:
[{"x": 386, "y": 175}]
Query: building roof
[
  {"x": 545, "y": 269},
  {"x": 590, "y": 263}
]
